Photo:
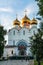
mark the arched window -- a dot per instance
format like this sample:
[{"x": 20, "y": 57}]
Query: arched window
[
  {"x": 13, "y": 42},
  {"x": 24, "y": 32},
  {"x": 12, "y": 52},
  {"x": 14, "y": 32}
]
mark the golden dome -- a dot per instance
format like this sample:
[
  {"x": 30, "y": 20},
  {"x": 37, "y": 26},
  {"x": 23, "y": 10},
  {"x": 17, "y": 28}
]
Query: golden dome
[
  {"x": 16, "y": 22},
  {"x": 25, "y": 20},
  {"x": 34, "y": 21}
]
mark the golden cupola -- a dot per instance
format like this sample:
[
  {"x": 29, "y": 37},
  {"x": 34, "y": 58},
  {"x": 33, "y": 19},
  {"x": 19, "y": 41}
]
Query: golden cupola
[
  {"x": 25, "y": 21},
  {"x": 16, "y": 22},
  {"x": 34, "y": 21}
]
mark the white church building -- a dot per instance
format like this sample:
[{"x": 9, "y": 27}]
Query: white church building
[{"x": 19, "y": 37}]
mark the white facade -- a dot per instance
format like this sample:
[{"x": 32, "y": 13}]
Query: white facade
[{"x": 19, "y": 36}]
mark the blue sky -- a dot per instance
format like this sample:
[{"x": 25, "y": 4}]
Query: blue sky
[{"x": 9, "y": 9}]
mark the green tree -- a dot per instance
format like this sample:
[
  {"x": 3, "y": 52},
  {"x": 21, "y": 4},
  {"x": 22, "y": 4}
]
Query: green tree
[
  {"x": 2, "y": 40},
  {"x": 41, "y": 26},
  {"x": 40, "y": 4},
  {"x": 37, "y": 45}
]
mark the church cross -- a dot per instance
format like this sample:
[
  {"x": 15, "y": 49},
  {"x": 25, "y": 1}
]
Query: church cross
[
  {"x": 25, "y": 12},
  {"x": 16, "y": 16}
]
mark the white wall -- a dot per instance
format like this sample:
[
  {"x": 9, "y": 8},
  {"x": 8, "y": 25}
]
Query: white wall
[
  {"x": 19, "y": 36},
  {"x": 7, "y": 51}
]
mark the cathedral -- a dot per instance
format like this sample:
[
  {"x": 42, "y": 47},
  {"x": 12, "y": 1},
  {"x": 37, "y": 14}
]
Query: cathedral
[{"x": 19, "y": 37}]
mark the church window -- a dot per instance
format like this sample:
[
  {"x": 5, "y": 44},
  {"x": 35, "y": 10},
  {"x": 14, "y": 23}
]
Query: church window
[
  {"x": 14, "y": 32},
  {"x": 12, "y": 52},
  {"x": 13, "y": 42},
  {"x": 24, "y": 32}
]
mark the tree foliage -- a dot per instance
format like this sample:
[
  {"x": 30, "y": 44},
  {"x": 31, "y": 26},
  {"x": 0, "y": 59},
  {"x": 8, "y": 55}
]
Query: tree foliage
[
  {"x": 40, "y": 4},
  {"x": 41, "y": 26},
  {"x": 2, "y": 40},
  {"x": 37, "y": 44}
]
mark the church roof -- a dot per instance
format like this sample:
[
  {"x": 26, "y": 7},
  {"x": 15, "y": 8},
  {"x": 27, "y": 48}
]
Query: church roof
[
  {"x": 25, "y": 19},
  {"x": 34, "y": 21},
  {"x": 16, "y": 22},
  {"x": 10, "y": 46}
]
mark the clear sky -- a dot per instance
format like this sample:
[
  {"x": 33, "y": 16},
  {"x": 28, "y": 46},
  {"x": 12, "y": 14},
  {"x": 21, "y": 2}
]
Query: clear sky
[{"x": 9, "y": 9}]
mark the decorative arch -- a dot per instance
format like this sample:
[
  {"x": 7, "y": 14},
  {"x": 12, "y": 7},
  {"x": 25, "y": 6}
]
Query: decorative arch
[
  {"x": 22, "y": 47},
  {"x": 22, "y": 42}
]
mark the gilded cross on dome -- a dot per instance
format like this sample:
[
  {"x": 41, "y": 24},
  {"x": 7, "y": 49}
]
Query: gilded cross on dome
[
  {"x": 25, "y": 12},
  {"x": 16, "y": 16}
]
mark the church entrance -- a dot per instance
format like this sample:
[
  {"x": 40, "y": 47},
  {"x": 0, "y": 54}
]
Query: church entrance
[
  {"x": 22, "y": 47},
  {"x": 22, "y": 52}
]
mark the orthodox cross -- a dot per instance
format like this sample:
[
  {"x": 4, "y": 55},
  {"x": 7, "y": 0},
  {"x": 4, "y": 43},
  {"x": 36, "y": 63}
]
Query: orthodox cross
[
  {"x": 16, "y": 16},
  {"x": 25, "y": 12}
]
